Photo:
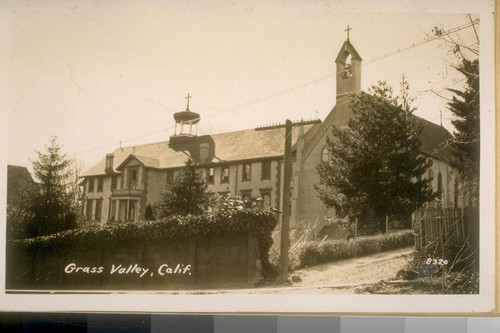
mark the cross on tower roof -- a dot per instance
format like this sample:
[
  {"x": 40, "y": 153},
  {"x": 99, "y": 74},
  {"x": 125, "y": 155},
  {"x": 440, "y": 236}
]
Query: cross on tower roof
[
  {"x": 348, "y": 29},
  {"x": 188, "y": 97}
]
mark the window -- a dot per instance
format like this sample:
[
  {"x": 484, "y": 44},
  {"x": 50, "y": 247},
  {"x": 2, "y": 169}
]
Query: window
[
  {"x": 132, "y": 178},
  {"x": 170, "y": 176},
  {"x": 246, "y": 176},
  {"x": 224, "y": 175},
  {"x": 88, "y": 212},
  {"x": 91, "y": 184},
  {"x": 440, "y": 186},
  {"x": 210, "y": 175},
  {"x": 266, "y": 200},
  {"x": 348, "y": 67},
  {"x": 100, "y": 182},
  {"x": 112, "y": 213},
  {"x": 266, "y": 170},
  {"x": 98, "y": 209},
  {"x": 114, "y": 182},
  {"x": 325, "y": 156}
]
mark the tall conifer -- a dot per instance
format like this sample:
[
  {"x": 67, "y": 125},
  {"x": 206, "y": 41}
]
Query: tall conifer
[
  {"x": 375, "y": 166},
  {"x": 465, "y": 144}
]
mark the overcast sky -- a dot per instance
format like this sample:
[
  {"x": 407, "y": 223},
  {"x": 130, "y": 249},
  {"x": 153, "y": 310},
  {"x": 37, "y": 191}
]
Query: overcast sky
[{"x": 97, "y": 73}]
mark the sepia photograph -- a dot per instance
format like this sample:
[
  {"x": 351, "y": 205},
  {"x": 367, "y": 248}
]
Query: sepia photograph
[{"x": 270, "y": 157}]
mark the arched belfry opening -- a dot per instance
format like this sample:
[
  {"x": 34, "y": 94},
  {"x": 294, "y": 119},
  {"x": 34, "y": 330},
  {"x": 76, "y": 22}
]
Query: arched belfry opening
[{"x": 348, "y": 69}]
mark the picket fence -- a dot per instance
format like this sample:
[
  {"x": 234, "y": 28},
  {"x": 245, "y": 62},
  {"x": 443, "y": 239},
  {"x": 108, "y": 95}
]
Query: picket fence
[{"x": 439, "y": 230}]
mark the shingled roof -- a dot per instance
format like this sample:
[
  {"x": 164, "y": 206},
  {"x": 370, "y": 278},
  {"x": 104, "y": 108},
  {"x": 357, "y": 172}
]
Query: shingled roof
[
  {"x": 249, "y": 144},
  {"x": 241, "y": 145}
]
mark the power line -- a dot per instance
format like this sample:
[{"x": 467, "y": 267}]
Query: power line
[
  {"x": 307, "y": 83},
  {"x": 327, "y": 76}
]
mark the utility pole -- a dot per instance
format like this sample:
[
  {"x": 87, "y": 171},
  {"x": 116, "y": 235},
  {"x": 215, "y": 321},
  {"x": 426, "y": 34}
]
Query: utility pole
[
  {"x": 285, "y": 223},
  {"x": 287, "y": 178}
]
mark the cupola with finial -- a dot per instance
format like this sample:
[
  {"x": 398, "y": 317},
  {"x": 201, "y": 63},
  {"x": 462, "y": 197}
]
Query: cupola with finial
[
  {"x": 186, "y": 125},
  {"x": 348, "y": 69}
]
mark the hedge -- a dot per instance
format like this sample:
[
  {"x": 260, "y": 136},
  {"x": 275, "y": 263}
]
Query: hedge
[
  {"x": 314, "y": 253},
  {"x": 259, "y": 223}
]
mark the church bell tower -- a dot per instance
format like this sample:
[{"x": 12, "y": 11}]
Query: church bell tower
[{"x": 348, "y": 69}]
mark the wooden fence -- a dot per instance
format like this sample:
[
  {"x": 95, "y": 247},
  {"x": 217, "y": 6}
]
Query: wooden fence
[{"x": 447, "y": 232}]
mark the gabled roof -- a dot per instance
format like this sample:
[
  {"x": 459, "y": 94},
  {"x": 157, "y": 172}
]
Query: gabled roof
[
  {"x": 434, "y": 139},
  {"x": 241, "y": 145},
  {"x": 433, "y": 136},
  {"x": 16, "y": 173},
  {"x": 146, "y": 161},
  {"x": 158, "y": 150}
]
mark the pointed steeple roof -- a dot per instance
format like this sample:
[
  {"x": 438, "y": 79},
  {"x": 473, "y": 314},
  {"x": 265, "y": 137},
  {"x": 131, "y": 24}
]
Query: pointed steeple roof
[{"x": 346, "y": 49}]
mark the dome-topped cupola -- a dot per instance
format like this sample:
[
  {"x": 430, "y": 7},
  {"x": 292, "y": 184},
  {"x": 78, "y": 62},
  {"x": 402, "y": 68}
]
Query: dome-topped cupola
[{"x": 186, "y": 121}]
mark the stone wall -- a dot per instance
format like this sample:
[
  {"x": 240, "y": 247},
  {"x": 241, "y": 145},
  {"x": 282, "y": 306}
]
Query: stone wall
[{"x": 225, "y": 261}]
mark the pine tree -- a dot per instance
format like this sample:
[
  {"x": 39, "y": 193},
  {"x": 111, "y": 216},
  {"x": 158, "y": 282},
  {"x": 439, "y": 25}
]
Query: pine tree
[
  {"x": 375, "y": 165},
  {"x": 186, "y": 195},
  {"x": 51, "y": 202},
  {"x": 465, "y": 143}
]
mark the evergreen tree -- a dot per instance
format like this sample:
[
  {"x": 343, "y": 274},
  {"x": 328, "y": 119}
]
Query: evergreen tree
[
  {"x": 375, "y": 165},
  {"x": 465, "y": 142},
  {"x": 186, "y": 195},
  {"x": 52, "y": 200}
]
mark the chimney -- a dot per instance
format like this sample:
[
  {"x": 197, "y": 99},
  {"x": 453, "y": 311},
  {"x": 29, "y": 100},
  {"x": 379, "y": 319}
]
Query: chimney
[{"x": 109, "y": 163}]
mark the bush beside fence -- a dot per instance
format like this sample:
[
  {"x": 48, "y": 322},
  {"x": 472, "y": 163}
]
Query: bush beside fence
[{"x": 314, "y": 253}]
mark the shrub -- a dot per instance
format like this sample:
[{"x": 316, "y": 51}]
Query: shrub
[
  {"x": 257, "y": 222},
  {"x": 314, "y": 253}
]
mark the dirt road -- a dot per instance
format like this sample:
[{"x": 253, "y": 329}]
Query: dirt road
[{"x": 344, "y": 276}]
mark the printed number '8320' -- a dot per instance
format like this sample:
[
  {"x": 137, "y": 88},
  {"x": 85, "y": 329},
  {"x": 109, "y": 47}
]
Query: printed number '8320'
[{"x": 436, "y": 261}]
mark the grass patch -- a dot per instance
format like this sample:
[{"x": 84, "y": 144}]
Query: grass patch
[{"x": 319, "y": 252}]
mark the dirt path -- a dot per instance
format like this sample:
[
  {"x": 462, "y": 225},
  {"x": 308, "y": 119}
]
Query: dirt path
[
  {"x": 346, "y": 275},
  {"x": 362, "y": 270}
]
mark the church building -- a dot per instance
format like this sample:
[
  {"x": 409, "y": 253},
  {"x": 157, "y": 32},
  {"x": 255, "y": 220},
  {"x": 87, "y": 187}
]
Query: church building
[{"x": 249, "y": 162}]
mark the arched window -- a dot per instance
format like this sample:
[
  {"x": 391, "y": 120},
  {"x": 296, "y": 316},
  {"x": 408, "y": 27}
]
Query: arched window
[
  {"x": 325, "y": 155},
  {"x": 440, "y": 185},
  {"x": 348, "y": 67}
]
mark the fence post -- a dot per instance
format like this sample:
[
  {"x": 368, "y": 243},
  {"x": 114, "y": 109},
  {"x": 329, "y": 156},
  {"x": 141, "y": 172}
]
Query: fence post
[{"x": 386, "y": 224}]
